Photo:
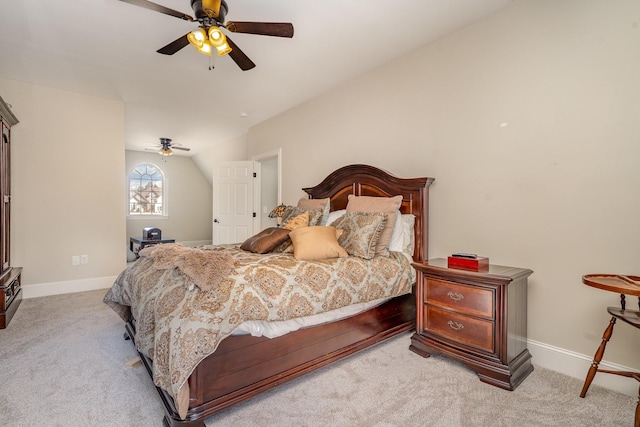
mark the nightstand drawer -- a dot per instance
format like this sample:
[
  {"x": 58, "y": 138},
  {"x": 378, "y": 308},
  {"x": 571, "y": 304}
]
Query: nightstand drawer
[
  {"x": 461, "y": 298},
  {"x": 467, "y": 330}
]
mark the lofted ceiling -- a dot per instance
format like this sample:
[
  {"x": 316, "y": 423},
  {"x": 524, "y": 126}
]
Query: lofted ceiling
[{"x": 107, "y": 48}]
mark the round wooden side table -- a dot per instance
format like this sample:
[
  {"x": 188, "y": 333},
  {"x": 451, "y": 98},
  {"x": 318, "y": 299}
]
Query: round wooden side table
[{"x": 623, "y": 285}]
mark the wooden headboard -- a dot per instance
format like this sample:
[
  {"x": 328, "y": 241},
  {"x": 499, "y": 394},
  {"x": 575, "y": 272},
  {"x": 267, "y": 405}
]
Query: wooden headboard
[{"x": 364, "y": 180}]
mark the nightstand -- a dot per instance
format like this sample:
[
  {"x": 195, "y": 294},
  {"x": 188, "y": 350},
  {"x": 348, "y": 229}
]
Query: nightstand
[{"x": 478, "y": 318}]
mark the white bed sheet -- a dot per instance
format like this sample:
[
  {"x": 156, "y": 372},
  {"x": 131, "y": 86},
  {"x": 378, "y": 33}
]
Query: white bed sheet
[{"x": 261, "y": 328}]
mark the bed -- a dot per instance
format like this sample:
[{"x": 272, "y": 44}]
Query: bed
[{"x": 243, "y": 366}]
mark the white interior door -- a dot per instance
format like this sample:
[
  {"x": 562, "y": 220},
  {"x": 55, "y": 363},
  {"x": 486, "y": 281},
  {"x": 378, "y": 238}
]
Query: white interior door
[{"x": 234, "y": 189}]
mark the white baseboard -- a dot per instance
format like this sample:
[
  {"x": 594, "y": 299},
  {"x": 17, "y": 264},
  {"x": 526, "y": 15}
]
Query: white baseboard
[
  {"x": 576, "y": 365},
  {"x": 57, "y": 288}
]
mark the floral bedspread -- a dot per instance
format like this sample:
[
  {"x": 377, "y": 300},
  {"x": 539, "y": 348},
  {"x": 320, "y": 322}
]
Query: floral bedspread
[{"x": 178, "y": 324}]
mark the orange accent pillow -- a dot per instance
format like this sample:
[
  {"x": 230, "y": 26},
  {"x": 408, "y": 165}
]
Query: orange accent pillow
[
  {"x": 301, "y": 220},
  {"x": 316, "y": 243}
]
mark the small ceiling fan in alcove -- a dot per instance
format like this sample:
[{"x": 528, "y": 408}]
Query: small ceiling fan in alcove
[
  {"x": 165, "y": 147},
  {"x": 208, "y": 37}
]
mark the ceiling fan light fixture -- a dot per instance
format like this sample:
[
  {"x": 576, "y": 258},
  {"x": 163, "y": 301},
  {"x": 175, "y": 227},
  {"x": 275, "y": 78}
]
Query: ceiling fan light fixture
[
  {"x": 165, "y": 151},
  {"x": 224, "y": 49},
  {"x": 206, "y": 48},
  {"x": 218, "y": 40},
  {"x": 197, "y": 38}
]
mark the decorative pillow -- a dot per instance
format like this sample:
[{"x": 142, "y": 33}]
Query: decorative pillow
[
  {"x": 361, "y": 232},
  {"x": 315, "y": 217},
  {"x": 387, "y": 205},
  {"x": 317, "y": 204},
  {"x": 292, "y": 211},
  {"x": 408, "y": 233},
  {"x": 266, "y": 240},
  {"x": 397, "y": 240},
  {"x": 316, "y": 243},
  {"x": 298, "y": 221},
  {"x": 335, "y": 215},
  {"x": 287, "y": 246}
]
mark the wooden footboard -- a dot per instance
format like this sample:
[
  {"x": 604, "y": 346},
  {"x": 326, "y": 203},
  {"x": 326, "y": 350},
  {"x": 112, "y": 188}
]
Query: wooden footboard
[{"x": 245, "y": 366}]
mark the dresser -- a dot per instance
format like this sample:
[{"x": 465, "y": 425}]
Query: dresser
[
  {"x": 10, "y": 277},
  {"x": 476, "y": 317}
]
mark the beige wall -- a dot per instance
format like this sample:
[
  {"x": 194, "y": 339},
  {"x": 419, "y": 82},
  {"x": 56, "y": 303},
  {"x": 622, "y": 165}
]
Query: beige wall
[
  {"x": 189, "y": 200},
  {"x": 68, "y": 180},
  {"x": 554, "y": 190},
  {"x": 235, "y": 149}
]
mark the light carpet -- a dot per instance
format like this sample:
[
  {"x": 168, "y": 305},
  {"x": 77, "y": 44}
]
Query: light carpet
[{"x": 62, "y": 363}]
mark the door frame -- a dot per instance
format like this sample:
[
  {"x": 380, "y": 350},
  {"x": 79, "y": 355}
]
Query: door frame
[{"x": 260, "y": 158}]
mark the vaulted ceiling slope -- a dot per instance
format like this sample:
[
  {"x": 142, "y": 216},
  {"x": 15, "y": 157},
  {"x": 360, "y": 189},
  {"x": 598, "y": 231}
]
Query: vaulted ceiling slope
[{"x": 107, "y": 48}]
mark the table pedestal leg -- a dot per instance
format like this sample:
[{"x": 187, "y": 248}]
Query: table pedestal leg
[{"x": 598, "y": 357}]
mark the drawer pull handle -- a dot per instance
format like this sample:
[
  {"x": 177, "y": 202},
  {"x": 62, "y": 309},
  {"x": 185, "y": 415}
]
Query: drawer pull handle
[
  {"x": 455, "y": 325},
  {"x": 454, "y": 296}
]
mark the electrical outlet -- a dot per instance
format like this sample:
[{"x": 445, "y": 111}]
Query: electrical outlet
[
  {"x": 84, "y": 259},
  {"x": 75, "y": 260}
]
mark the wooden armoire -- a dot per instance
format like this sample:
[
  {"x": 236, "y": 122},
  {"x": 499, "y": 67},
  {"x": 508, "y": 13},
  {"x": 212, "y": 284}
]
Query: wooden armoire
[{"x": 10, "y": 277}]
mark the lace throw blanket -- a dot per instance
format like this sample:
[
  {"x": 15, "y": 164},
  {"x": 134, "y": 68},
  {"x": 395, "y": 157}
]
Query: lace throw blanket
[
  {"x": 204, "y": 269},
  {"x": 181, "y": 320}
]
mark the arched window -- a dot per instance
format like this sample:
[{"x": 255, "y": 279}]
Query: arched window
[{"x": 147, "y": 190}]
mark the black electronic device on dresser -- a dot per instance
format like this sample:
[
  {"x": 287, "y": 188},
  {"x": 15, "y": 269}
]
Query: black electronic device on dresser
[
  {"x": 10, "y": 277},
  {"x": 151, "y": 233}
]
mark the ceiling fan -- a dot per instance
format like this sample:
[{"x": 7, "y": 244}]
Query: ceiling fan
[
  {"x": 211, "y": 15},
  {"x": 166, "y": 147}
]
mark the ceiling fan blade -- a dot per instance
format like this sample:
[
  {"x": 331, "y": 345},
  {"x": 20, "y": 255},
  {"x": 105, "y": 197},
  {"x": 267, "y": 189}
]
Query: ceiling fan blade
[
  {"x": 158, "y": 8},
  {"x": 174, "y": 46},
  {"x": 173, "y": 147},
  {"x": 277, "y": 29},
  {"x": 239, "y": 57}
]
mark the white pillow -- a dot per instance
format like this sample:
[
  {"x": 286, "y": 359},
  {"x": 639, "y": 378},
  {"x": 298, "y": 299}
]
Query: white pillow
[
  {"x": 408, "y": 233},
  {"x": 335, "y": 215},
  {"x": 396, "y": 244}
]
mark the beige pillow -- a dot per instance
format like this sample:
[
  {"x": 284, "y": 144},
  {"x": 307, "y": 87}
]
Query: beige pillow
[
  {"x": 301, "y": 220},
  {"x": 266, "y": 240},
  {"x": 361, "y": 232},
  {"x": 387, "y": 205},
  {"x": 288, "y": 249},
  {"x": 316, "y": 243},
  {"x": 317, "y": 204}
]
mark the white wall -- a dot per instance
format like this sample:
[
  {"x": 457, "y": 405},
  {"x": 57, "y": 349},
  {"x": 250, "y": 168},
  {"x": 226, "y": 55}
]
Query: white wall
[
  {"x": 189, "y": 200},
  {"x": 529, "y": 120},
  {"x": 67, "y": 187}
]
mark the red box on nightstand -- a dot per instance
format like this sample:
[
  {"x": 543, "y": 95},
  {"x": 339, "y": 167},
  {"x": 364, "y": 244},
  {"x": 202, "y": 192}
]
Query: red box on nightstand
[{"x": 478, "y": 263}]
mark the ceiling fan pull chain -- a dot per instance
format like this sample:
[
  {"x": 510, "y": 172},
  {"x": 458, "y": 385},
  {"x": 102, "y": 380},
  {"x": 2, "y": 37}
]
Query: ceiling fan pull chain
[{"x": 211, "y": 67}]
